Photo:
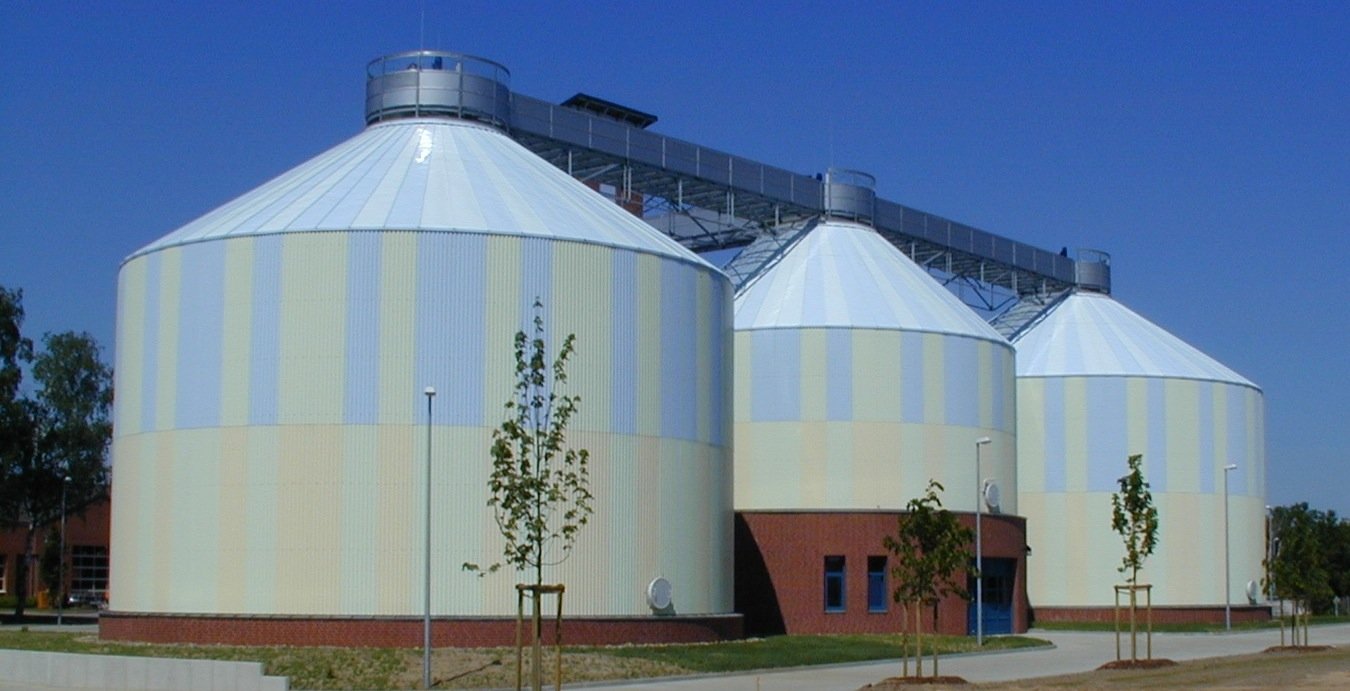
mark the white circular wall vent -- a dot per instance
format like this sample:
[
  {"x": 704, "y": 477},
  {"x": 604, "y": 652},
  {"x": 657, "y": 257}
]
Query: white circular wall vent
[
  {"x": 658, "y": 593},
  {"x": 991, "y": 494}
]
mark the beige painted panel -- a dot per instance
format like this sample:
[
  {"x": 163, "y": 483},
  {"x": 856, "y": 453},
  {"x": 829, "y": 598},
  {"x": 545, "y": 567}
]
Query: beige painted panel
[
  {"x": 237, "y": 329},
  {"x": 130, "y": 351},
  {"x": 771, "y": 478},
  {"x": 877, "y": 386},
  {"x": 1075, "y": 434},
  {"x": 1031, "y": 435},
  {"x": 398, "y": 310},
  {"x": 841, "y": 480},
  {"x": 161, "y": 526},
  {"x": 398, "y": 506},
  {"x": 193, "y": 481},
  {"x": 260, "y": 522},
  {"x": 585, "y": 270},
  {"x": 361, "y": 542},
  {"x": 309, "y": 519},
  {"x": 128, "y": 538},
  {"x": 232, "y": 578},
  {"x": 503, "y": 321},
  {"x": 814, "y": 454},
  {"x": 878, "y": 465},
  {"x": 312, "y": 365},
  {"x": 1047, "y": 566}
]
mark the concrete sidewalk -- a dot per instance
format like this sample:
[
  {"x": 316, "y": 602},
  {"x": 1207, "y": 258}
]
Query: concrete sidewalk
[{"x": 1073, "y": 652}]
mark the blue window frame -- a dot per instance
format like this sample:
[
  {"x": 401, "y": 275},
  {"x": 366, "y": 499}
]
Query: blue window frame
[
  {"x": 876, "y": 584},
  {"x": 834, "y": 584}
]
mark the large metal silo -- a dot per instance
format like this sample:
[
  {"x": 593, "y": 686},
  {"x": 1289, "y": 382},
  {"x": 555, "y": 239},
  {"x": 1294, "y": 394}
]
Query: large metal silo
[
  {"x": 269, "y": 447},
  {"x": 859, "y": 378},
  {"x": 1096, "y": 384}
]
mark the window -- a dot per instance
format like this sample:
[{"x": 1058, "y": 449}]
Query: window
[
  {"x": 4, "y": 561},
  {"x": 834, "y": 584},
  {"x": 89, "y": 569},
  {"x": 876, "y": 584}
]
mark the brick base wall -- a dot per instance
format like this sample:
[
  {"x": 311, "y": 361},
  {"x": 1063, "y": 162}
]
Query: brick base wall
[
  {"x": 1171, "y": 614},
  {"x": 406, "y": 632},
  {"x": 779, "y": 571}
]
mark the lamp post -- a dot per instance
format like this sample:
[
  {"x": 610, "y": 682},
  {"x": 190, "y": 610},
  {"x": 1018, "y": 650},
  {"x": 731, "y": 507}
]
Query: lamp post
[
  {"x": 979, "y": 547},
  {"x": 61, "y": 562},
  {"x": 1227, "y": 598},
  {"x": 426, "y": 585}
]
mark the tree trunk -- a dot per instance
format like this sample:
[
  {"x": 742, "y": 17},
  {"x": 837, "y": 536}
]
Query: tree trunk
[
  {"x": 537, "y": 666},
  {"x": 21, "y": 575}
]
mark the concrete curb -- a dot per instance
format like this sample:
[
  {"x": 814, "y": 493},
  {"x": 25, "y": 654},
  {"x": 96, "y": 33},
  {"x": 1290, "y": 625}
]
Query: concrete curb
[{"x": 75, "y": 671}]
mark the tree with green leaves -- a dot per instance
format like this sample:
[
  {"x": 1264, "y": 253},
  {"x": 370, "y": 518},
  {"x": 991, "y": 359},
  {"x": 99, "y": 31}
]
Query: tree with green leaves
[
  {"x": 1298, "y": 567},
  {"x": 931, "y": 549},
  {"x": 1135, "y": 519},
  {"x": 63, "y": 429},
  {"x": 540, "y": 486}
]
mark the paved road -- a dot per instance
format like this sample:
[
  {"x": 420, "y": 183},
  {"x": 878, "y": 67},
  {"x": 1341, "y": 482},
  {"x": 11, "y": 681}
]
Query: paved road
[{"x": 1074, "y": 652}]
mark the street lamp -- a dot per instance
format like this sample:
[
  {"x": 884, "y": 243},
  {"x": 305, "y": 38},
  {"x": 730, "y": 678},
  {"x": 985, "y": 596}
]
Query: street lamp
[
  {"x": 979, "y": 547},
  {"x": 61, "y": 563},
  {"x": 426, "y": 585},
  {"x": 1227, "y": 606}
]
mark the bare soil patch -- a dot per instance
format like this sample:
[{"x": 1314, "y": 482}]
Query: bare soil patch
[
  {"x": 1154, "y": 663},
  {"x": 891, "y": 683}
]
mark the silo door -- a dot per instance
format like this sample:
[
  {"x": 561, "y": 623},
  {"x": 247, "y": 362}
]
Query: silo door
[{"x": 999, "y": 575}]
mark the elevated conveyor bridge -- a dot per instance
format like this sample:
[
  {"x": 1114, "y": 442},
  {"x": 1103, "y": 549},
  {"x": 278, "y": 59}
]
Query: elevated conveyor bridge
[{"x": 726, "y": 202}]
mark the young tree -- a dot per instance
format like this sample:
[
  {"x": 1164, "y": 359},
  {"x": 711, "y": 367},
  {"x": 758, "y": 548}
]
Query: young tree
[
  {"x": 1135, "y": 518},
  {"x": 931, "y": 548},
  {"x": 540, "y": 486},
  {"x": 62, "y": 430},
  {"x": 1299, "y": 565}
]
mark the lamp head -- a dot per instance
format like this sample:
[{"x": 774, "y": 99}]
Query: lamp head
[
  {"x": 429, "y": 391},
  {"x": 1230, "y": 466},
  {"x": 983, "y": 440}
]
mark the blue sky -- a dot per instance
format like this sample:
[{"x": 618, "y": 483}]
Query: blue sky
[{"x": 1205, "y": 145}]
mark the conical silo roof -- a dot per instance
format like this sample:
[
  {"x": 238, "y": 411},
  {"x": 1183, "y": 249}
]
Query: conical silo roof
[
  {"x": 427, "y": 174},
  {"x": 1091, "y": 334},
  {"x": 845, "y": 275}
]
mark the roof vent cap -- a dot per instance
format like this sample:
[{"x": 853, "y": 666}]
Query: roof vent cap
[
  {"x": 850, "y": 194},
  {"x": 1092, "y": 271},
  {"x": 434, "y": 83}
]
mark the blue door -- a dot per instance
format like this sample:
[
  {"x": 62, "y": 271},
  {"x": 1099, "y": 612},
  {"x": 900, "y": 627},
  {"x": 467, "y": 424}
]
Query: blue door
[{"x": 999, "y": 576}]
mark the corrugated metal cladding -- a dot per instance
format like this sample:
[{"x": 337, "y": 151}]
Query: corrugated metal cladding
[
  {"x": 1155, "y": 395},
  {"x": 859, "y": 379},
  {"x": 270, "y": 424}
]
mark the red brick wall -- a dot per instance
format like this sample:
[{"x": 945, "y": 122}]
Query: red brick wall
[
  {"x": 780, "y": 560},
  {"x": 1172, "y": 614},
  {"x": 406, "y": 632},
  {"x": 89, "y": 528}
]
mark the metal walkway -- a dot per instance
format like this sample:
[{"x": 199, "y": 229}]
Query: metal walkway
[{"x": 726, "y": 201}]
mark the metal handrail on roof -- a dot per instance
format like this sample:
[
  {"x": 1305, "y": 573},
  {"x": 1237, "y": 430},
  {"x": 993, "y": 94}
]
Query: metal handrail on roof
[{"x": 632, "y": 159}]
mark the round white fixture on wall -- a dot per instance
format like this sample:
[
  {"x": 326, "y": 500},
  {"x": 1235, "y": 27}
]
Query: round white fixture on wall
[{"x": 659, "y": 593}]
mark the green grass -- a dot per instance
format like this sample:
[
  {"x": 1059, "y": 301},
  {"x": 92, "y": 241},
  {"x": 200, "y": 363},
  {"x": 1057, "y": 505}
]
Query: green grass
[
  {"x": 794, "y": 651},
  {"x": 377, "y": 668}
]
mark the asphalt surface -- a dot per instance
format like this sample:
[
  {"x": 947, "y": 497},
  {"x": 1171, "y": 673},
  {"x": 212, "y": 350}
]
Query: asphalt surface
[{"x": 1073, "y": 652}]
